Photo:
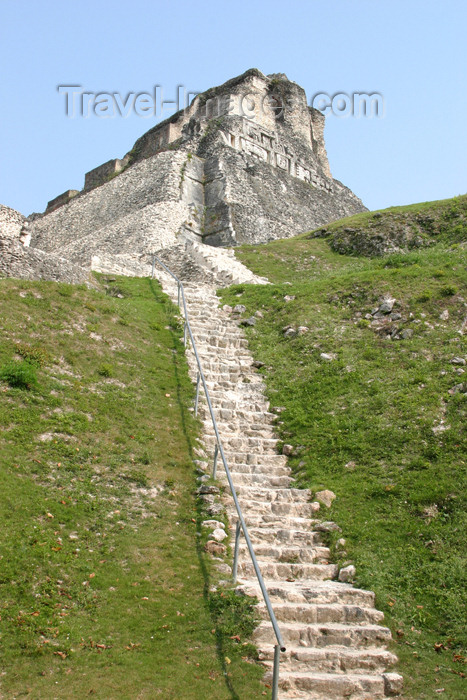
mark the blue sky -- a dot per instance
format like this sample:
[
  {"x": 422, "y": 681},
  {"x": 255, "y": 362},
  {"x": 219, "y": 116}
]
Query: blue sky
[{"x": 413, "y": 52}]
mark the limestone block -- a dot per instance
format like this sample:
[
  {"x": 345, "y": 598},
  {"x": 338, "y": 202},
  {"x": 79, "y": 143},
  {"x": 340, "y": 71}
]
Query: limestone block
[
  {"x": 61, "y": 200},
  {"x": 219, "y": 534},
  {"x": 393, "y": 684},
  {"x": 347, "y": 574},
  {"x": 325, "y": 497},
  {"x": 215, "y": 548}
]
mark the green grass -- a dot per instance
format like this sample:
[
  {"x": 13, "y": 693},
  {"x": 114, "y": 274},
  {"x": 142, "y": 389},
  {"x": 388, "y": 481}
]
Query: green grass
[
  {"x": 408, "y": 227},
  {"x": 365, "y": 425},
  {"x": 104, "y": 583}
]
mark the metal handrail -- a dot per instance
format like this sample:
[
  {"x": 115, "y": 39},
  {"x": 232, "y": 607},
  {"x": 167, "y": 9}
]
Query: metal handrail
[{"x": 219, "y": 450}]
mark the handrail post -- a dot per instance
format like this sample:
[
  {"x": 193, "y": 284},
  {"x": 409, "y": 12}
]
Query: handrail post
[
  {"x": 214, "y": 469},
  {"x": 235, "y": 558},
  {"x": 275, "y": 672},
  {"x": 197, "y": 393},
  {"x": 184, "y": 334}
]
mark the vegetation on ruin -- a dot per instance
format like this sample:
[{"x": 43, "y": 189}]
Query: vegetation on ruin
[
  {"x": 379, "y": 421},
  {"x": 104, "y": 582}
]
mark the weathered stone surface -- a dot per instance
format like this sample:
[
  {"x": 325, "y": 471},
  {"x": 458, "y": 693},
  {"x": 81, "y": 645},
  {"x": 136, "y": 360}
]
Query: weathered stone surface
[
  {"x": 212, "y": 173},
  {"x": 218, "y": 534},
  {"x": 387, "y": 306},
  {"x": 328, "y": 356},
  {"x": 216, "y": 548},
  {"x": 327, "y": 526},
  {"x": 406, "y": 334},
  {"x": 103, "y": 173},
  {"x": 325, "y": 497},
  {"x": 61, "y": 200},
  {"x": 214, "y": 524},
  {"x": 393, "y": 684},
  {"x": 26, "y": 263},
  {"x": 215, "y": 509},
  {"x": 208, "y": 488},
  {"x": 347, "y": 574},
  {"x": 11, "y": 223}
]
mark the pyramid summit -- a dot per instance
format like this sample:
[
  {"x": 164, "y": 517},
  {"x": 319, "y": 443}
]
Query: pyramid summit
[{"x": 245, "y": 162}]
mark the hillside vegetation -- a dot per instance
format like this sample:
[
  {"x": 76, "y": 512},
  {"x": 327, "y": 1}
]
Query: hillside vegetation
[
  {"x": 365, "y": 361},
  {"x": 104, "y": 585},
  {"x": 407, "y": 228}
]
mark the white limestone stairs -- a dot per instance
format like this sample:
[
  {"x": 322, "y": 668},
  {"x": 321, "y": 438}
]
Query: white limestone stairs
[{"x": 336, "y": 645}]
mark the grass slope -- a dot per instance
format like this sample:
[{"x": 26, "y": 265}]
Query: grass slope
[
  {"x": 383, "y": 425},
  {"x": 104, "y": 585},
  {"x": 411, "y": 227}
]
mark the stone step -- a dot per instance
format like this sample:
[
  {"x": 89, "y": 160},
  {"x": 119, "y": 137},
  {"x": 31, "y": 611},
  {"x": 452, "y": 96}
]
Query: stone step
[
  {"x": 243, "y": 444},
  {"x": 316, "y": 592},
  {"x": 210, "y": 352},
  {"x": 263, "y": 460},
  {"x": 220, "y": 400},
  {"x": 285, "y": 509},
  {"x": 282, "y": 571},
  {"x": 287, "y": 553},
  {"x": 232, "y": 429},
  {"x": 336, "y": 659},
  {"x": 289, "y": 537},
  {"x": 327, "y": 686},
  {"x": 273, "y": 495},
  {"x": 268, "y": 520},
  {"x": 203, "y": 341},
  {"x": 324, "y": 634},
  {"x": 323, "y": 613},
  {"x": 240, "y": 416},
  {"x": 259, "y": 470},
  {"x": 241, "y": 479}
]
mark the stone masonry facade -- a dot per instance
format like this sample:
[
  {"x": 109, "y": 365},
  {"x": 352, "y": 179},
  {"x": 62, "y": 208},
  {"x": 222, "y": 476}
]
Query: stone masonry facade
[{"x": 244, "y": 163}]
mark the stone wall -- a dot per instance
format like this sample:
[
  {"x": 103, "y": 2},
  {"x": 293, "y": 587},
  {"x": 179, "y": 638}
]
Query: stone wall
[
  {"x": 19, "y": 261},
  {"x": 25, "y": 263},
  {"x": 61, "y": 200},
  {"x": 105, "y": 172},
  {"x": 256, "y": 203},
  {"x": 138, "y": 211}
]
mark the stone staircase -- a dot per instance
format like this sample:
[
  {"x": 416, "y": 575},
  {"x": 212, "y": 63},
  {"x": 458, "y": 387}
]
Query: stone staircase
[{"x": 336, "y": 645}]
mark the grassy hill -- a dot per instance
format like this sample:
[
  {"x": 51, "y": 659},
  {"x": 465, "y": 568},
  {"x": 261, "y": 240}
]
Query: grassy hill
[
  {"x": 374, "y": 404},
  {"x": 104, "y": 584}
]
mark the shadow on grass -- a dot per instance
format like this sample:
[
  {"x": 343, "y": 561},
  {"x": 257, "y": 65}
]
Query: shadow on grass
[{"x": 219, "y": 636}]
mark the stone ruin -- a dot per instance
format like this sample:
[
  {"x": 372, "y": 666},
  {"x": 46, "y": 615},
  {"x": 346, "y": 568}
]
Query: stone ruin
[{"x": 244, "y": 163}]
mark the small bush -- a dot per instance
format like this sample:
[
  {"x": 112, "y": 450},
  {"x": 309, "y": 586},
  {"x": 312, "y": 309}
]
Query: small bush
[
  {"x": 423, "y": 298},
  {"x": 33, "y": 354},
  {"x": 20, "y": 375},
  {"x": 65, "y": 290},
  {"x": 448, "y": 291},
  {"x": 105, "y": 370},
  {"x": 233, "y": 613}
]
